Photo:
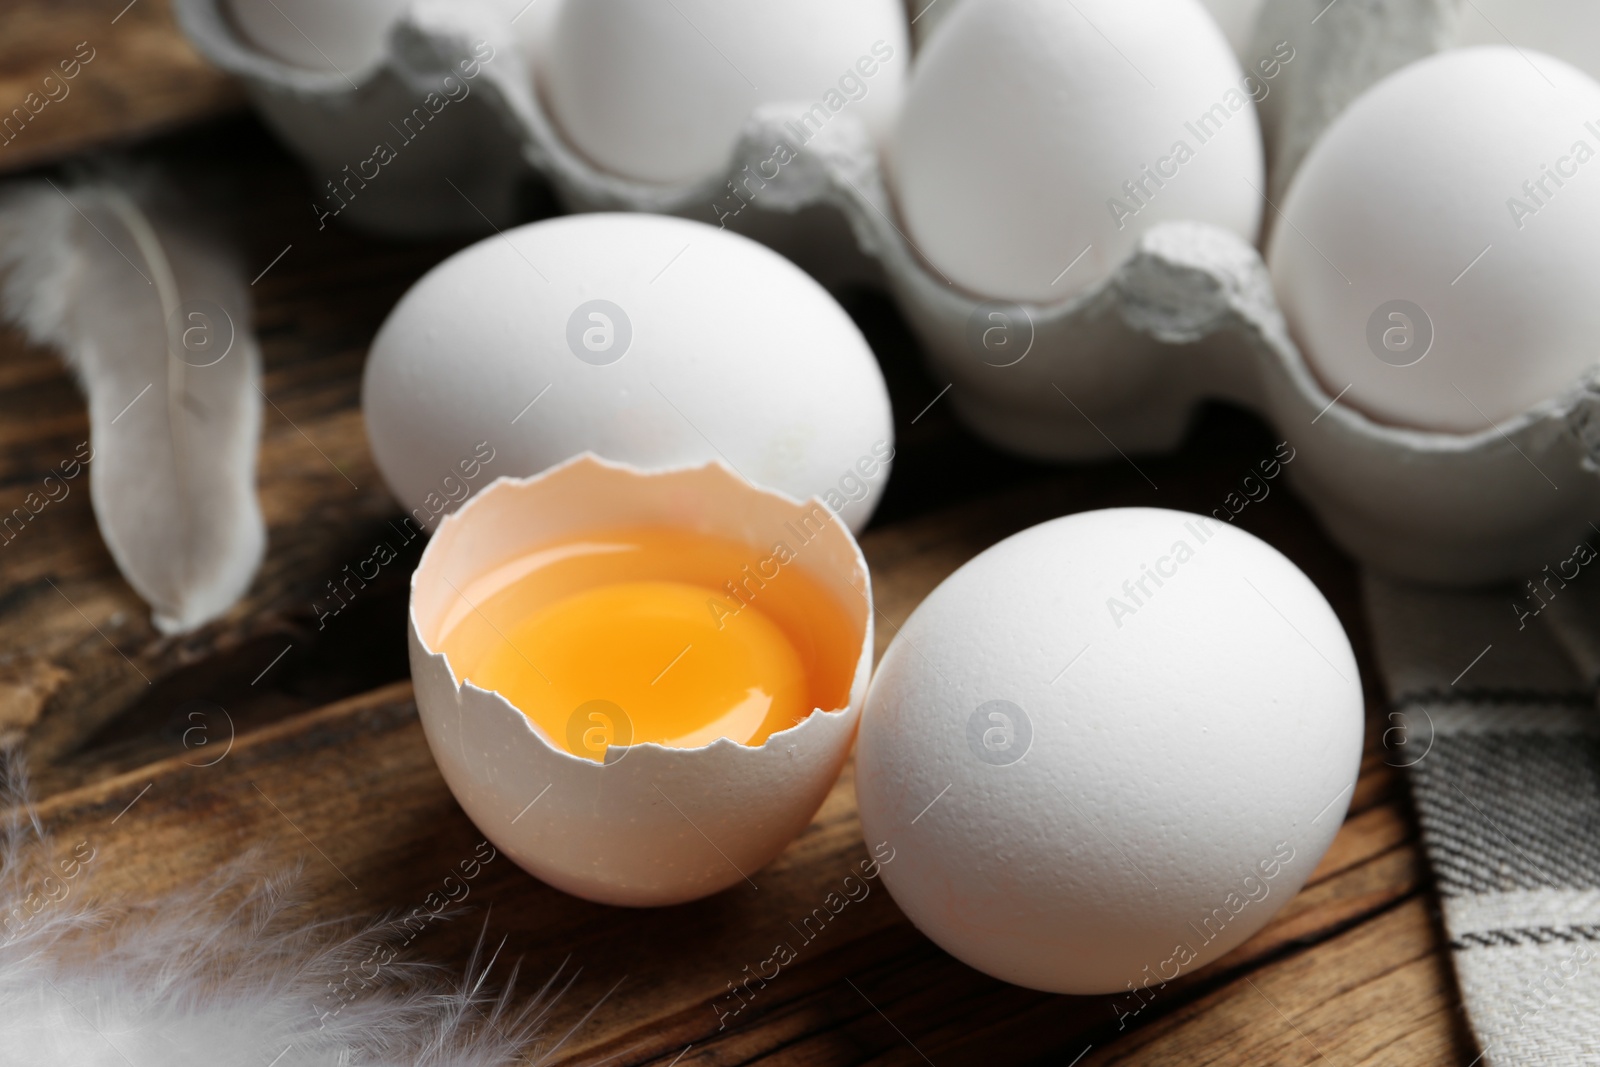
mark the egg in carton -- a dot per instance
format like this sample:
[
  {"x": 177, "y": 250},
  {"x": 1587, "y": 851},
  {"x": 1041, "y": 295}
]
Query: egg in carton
[
  {"x": 1188, "y": 314},
  {"x": 483, "y": 60},
  {"x": 1192, "y": 315}
]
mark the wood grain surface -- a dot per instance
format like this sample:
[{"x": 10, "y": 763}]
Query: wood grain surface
[
  {"x": 1350, "y": 970},
  {"x": 310, "y": 750},
  {"x": 93, "y": 73}
]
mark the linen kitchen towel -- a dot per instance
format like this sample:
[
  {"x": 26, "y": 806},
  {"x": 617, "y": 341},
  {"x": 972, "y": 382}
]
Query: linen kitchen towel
[{"x": 1493, "y": 714}]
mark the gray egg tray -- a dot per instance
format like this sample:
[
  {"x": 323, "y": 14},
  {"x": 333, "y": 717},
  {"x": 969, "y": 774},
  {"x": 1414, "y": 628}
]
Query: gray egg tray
[{"x": 1117, "y": 370}]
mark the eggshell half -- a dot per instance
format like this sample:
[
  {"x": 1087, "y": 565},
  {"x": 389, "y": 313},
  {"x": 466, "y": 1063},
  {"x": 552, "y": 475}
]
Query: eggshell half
[
  {"x": 1072, "y": 789},
  {"x": 653, "y": 825},
  {"x": 1444, "y": 240},
  {"x": 1019, "y": 161},
  {"x": 644, "y": 339}
]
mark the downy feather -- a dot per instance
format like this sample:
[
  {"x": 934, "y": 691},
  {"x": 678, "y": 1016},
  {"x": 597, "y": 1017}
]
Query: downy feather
[
  {"x": 228, "y": 972},
  {"x": 129, "y": 297}
]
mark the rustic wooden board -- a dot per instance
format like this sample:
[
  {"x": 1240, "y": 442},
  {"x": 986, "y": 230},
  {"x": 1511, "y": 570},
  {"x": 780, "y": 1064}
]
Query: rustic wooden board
[
  {"x": 140, "y": 77},
  {"x": 1353, "y": 968},
  {"x": 1353, "y": 963}
]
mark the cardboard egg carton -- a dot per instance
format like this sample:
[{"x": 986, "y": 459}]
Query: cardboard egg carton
[
  {"x": 439, "y": 133},
  {"x": 1118, "y": 369},
  {"x": 385, "y": 144}
]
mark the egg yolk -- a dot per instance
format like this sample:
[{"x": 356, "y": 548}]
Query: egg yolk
[{"x": 654, "y": 634}]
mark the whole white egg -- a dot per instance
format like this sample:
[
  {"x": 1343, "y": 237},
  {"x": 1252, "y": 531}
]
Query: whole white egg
[
  {"x": 1109, "y": 749},
  {"x": 1039, "y": 139},
  {"x": 346, "y": 36},
  {"x": 658, "y": 92},
  {"x": 1566, "y": 29},
  {"x": 644, "y": 339},
  {"x": 1441, "y": 241}
]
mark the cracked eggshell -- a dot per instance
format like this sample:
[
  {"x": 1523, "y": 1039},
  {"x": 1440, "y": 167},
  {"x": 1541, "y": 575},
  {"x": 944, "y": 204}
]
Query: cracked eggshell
[
  {"x": 658, "y": 92},
  {"x": 653, "y": 825},
  {"x": 645, "y": 339},
  {"x": 1069, "y": 786},
  {"x": 1024, "y": 119}
]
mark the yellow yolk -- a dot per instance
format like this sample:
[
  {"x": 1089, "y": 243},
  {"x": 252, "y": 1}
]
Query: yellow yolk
[
  {"x": 653, "y": 634},
  {"x": 654, "y": 650}
]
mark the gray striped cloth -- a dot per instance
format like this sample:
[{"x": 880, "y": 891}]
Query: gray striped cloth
[{"x": 1493, "y": 698}]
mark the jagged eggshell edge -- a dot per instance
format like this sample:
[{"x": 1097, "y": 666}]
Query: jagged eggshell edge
[{"x": 654, "y": 825}]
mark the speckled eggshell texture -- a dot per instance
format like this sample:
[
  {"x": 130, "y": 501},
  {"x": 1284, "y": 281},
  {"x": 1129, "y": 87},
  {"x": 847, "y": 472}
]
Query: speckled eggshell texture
[{"x": 1110, "y": 747}]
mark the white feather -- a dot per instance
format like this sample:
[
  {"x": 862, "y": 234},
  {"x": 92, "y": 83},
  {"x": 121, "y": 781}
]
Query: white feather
[
  {"x": 221, "y": 975},
  {"x": 115, "y": 286}
]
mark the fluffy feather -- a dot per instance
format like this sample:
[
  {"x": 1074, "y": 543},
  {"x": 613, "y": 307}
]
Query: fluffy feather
[
  {"x": 220, "y": 975},
  {"x": 97, "y": 273}
]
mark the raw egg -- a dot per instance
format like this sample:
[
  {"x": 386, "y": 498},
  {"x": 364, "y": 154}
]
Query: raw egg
[
  {"x": 1039, "y": 140},
  {"x": 645, "y": 339},
  {"x": 658, "y": 92},
  {"x": 1109, "y": 749},
  {"x": 653, "y": 619},
  {"x": 1442, "y": 238},
  {"x": 640, "y": 685}
]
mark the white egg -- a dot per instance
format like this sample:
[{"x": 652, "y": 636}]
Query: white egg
[
  {"x": 1040, "y": 139},
  {"x": 658, "y": 92},
  {"x": 651, "y": 824},
  {"x": 346, "y": 36},
  {"x": 644, "y": 339},
  {"x": 1109, "y": 748},
  {"x": 1442, "y": 241},
  {"x": 1566, "y": 29}
]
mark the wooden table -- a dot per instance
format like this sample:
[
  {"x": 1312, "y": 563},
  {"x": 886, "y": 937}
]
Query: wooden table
[
  {"x": 322, "y": 759},
  {"x": 97, "y": 73}
]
